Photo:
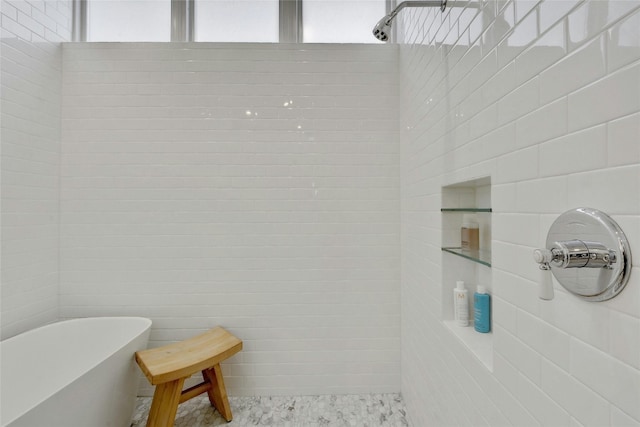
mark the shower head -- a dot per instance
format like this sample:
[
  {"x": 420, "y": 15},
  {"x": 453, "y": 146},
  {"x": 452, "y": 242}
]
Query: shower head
[{"x": 382, "y": 30}]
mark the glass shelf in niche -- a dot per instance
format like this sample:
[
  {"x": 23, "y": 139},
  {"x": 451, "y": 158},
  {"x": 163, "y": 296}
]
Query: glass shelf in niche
[
  {"x": 480, "y": 256},
  {"x": 465, "y": 210}
]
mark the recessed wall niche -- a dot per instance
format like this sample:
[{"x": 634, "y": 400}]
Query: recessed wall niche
[{"x": 471, "y": 198}]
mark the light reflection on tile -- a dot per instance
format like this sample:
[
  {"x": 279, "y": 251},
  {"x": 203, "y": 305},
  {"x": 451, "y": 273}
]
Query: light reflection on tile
[{"x": 289, "y": 411}]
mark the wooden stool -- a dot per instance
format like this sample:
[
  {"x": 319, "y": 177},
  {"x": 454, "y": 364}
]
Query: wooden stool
[{"x": 167, "y": 368}]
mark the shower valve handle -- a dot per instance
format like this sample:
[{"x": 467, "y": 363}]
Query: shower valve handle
[
  {"x": 590, "y": 239},
  {"x": 545, "y": 289},
  {"x": 576, "y": 254}
]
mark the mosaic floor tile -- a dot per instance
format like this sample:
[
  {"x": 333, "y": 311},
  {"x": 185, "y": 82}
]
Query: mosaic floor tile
[{"x": 384, "y": 410}]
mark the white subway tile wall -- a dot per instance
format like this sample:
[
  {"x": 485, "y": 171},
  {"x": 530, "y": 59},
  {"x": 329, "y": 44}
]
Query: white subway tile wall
[
  {"x": 544, "y": 97},
  {"x": 30, "y": 144},
  {"x": 253, "y": 186},
  {"x": 262, "y": 187}
]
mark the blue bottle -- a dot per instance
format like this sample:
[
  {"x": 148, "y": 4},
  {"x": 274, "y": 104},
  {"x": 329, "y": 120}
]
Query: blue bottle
[{"x": 482, "y": 310}]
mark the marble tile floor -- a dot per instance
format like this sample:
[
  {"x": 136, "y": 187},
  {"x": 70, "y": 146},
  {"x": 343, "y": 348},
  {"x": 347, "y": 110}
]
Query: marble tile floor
[{"x": 365, "y": 410}]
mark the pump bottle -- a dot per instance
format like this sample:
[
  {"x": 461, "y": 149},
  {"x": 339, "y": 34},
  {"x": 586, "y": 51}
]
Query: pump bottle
[{"x": 461, "y": 304}]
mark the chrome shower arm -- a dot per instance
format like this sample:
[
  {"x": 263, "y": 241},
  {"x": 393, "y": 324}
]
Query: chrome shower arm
[
  {"x": 442, "y": 4},
  {"x": 382, "y": 29}
]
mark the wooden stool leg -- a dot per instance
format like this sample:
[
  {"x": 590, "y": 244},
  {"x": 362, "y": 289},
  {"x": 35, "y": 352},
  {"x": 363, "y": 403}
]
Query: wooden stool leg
[
  {"x": 165, "y": 404},
  {"x": 218, "y": 392}
]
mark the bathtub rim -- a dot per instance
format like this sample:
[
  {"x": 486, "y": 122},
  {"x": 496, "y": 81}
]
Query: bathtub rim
[{"x": 148, "y": 322}]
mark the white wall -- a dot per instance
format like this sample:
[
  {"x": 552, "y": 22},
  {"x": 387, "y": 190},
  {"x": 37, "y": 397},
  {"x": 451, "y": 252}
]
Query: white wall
[
  {"x": 253, "y": 186},
  {"x": 543, "y": 97},
  {"x": 32, "y": 32},
  {"x": 179, "y": 205}
]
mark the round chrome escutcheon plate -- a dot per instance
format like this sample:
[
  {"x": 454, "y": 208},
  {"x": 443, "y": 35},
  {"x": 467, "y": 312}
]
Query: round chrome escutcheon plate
[{"x": 586, "y": 224}]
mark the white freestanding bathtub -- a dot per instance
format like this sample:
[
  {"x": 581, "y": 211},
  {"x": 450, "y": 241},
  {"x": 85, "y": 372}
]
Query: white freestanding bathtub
[{"x": 77, "y": 372}]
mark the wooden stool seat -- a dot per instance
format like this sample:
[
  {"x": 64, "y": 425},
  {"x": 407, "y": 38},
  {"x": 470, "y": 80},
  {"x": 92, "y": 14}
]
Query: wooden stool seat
[{"x": 167, "y": 368}]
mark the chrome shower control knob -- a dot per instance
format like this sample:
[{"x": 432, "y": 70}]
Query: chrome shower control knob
[
  {"x": 542, "y": 256},
  {"x": 588, "y": 254}
]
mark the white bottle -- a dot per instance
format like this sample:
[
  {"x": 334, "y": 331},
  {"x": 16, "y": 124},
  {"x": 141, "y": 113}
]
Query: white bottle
[{"x": 461, "y": 304}]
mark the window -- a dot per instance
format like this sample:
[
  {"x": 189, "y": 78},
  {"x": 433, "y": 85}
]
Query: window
[
  {"x": 335, "y": 21},
  {"x": 236, "y": 21},
  {"x": 272, "y": 21},
  {"x": 129, "y": 20}
]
